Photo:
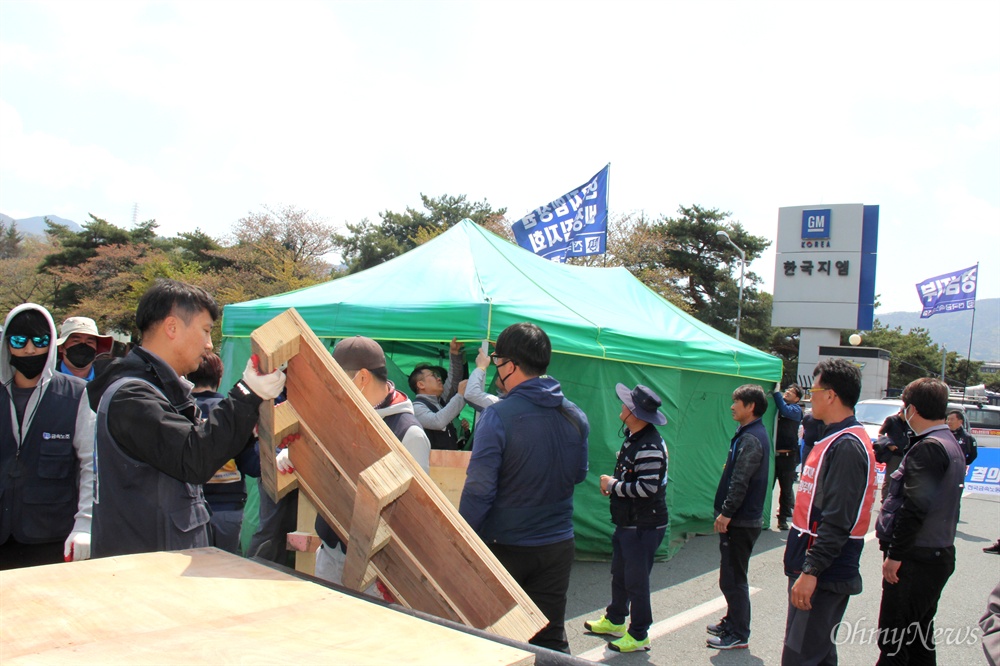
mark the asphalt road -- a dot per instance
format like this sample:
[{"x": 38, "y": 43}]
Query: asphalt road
[{"x": 686, "y": 597}]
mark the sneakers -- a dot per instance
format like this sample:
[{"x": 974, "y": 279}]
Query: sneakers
[
  {"x": 628, "y": 644},
  {"x": 782, "y": 525},
  {"x": 994, "y": 549},
  {"x": 606, "y": 626},
  {"x": 727, "y": 641},
  {"x": 718, "y": 628}
]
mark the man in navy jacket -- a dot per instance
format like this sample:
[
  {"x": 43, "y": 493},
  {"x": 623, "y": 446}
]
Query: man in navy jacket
[
  {"x": 529, "y": 453},
  {"x": 739, "y": 505}
]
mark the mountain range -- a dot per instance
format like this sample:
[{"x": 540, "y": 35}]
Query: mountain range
[
  {"x": 36, "y": 225},
  {"x": 952, "y": 330}
]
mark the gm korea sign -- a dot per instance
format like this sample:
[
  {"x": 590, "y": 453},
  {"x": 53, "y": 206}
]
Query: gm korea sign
[
  {"x": 816, "y": 228},
  {"x": 825, "y": 267}
]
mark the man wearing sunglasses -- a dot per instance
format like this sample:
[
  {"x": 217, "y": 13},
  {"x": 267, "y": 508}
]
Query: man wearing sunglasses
[
  {"x": 437, "y": 402},
  {"x": 154, "y": 448},
  {"x": 46, "y": 448},
  {"x": 529, "y": 453}
]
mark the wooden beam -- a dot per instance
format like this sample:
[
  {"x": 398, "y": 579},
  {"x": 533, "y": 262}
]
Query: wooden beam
[
  {"x": 380, "y": 484},
  {"x": 275, "y": 422}
]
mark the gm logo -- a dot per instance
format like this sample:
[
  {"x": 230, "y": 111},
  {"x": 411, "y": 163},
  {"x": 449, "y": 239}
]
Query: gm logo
[{"x": 816, "y": 224}]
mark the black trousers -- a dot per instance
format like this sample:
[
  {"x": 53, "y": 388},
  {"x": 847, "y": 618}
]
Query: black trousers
[
  {"x": 735, "y": 547},
  {"x": 810, "y": 635},
  {"x": 906, "y": 617},
  {"x": 276, "y": 521},
  {"x": 784, "y": 476},
  {"x": 543, "y": 573},
  {"x": 632, "y": 553}
]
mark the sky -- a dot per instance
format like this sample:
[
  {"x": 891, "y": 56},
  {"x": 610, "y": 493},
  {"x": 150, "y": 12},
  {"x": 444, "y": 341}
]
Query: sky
[{"x": 200, "y": 112}]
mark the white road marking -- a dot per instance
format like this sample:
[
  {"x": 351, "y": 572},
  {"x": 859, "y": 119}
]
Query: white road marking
[{"x": 602, "y": 653}]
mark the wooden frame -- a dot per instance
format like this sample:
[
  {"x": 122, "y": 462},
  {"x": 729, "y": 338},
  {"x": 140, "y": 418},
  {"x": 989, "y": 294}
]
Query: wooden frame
[{"x": 396, "y": 522}]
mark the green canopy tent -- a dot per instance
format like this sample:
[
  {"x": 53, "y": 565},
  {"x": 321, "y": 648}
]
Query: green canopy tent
[{"x": 605, "y": 326}]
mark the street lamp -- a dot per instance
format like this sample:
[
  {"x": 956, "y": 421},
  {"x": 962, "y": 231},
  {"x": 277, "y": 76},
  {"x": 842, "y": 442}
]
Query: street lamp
[{"x": 743, "y": 269}]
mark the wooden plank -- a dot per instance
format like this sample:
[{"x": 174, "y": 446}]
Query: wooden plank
[
  {"x": 433, "y": 561},
  {"x": 274, "y": 424},
  {"x": 208, "y": 606},
  {"x": 305, "y": 523},
  {"x": 377, "y": 487}
]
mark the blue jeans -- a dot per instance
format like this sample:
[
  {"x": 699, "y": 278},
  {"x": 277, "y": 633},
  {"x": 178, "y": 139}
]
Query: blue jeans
[{"x": 632, "y": 552}]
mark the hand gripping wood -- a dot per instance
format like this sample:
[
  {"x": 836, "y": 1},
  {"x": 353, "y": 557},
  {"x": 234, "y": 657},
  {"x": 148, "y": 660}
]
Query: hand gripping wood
[{"x": 396, "y": 522}]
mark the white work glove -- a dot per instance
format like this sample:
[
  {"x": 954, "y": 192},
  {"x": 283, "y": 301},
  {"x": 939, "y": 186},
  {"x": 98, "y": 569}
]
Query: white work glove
[
  {"x": 267, "y": 387},
  {"x": 284, "y": 464},
  {"x": 77, "y": 547}
]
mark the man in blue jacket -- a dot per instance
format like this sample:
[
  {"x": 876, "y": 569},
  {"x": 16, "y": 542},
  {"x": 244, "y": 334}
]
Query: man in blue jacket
[
  {"x": 739, "y": 505},
  {"x": 786, "y": 450},
  {"x": 529, "y": 452}
]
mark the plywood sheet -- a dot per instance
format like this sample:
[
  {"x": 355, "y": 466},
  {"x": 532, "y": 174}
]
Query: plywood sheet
[
  {"x": 431, "y": 559},
  {"x": 448, "y": 470},
  {"x": 208, "y": 606}
]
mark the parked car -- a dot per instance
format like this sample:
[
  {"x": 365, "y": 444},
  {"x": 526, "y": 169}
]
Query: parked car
[{"x": 982, "y": 421}]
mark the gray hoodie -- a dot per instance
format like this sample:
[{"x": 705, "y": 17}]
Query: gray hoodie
[{"x": 83, "y": 439}]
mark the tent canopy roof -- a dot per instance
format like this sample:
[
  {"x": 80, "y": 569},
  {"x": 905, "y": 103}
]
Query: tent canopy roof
[{"x": 471, "y": 284}]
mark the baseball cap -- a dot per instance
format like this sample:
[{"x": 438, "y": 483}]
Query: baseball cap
[{"x": 359, "y": 353}]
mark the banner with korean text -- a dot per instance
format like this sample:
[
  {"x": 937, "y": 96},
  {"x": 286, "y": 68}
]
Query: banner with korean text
[
  {"x": 574, "y": 225},
  {"x": 951, "y": 292},
  {"x": 983, "y": 475}
]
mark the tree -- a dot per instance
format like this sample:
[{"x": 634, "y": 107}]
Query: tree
[
  {"x": 683, "y": 260},
  {"x": 76, "y": 248},
  {"x": 369, "y": 244},
  {"x": 915, "y": 355},
  {"x": 20, "y": 280},
  {"x": 199, "y": 248},
  {"x": 111, "y": 282},
  {"x": 285, "y": 248},
  {"x": 10, "y": 241}
]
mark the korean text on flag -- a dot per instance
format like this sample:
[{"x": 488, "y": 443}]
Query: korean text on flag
[
  {"x": 574, "y": 225},
  {"x": 951, "y": 292}
]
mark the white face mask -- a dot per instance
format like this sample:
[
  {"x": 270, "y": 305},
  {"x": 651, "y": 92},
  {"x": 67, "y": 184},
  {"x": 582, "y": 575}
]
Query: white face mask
[{"x": 907, "y": 419}]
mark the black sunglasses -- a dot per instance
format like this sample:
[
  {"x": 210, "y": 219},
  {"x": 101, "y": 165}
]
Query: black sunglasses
[{"x": 21, "y": 341}]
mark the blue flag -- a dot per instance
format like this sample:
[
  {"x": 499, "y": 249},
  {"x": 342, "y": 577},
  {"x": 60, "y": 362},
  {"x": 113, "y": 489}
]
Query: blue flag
[
  {"x": 951, "y": 292},
  {"x": 574, "y": 225}
]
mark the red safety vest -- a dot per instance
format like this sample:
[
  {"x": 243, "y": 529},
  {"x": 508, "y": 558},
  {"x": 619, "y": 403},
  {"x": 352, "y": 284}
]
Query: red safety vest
[{"x": 811, "y": 472}]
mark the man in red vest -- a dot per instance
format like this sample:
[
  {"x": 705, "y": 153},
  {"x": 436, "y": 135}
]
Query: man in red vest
[{"x": 830, "y": 520}]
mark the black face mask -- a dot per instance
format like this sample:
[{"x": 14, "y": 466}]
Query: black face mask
[
  {"x": 29, "y": 366},
  {"x": 81, "y": 355}
]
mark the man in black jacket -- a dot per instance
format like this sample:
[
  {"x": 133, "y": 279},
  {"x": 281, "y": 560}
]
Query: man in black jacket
[
  {"x": 153, "y": 450},
  {"x": 739, "y": 503},
  {"x": 916, "y": 527},
  {"x": 832, "y": 513},
  {"x": 639, "y": 512},
  {"x": 956, "y": 423}
]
